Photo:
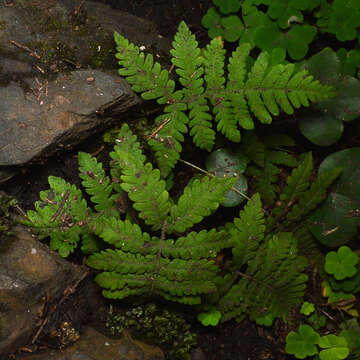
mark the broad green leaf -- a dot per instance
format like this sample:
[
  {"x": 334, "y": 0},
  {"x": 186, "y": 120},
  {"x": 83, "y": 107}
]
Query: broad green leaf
[
  {"x": 341, "y": 264},
  {"x": 303, "y": 343},
  {"x": 212, "y": 317},
  {"x": 228, "y": 6},
  {"x": 336, "y": 221},
  {"x": 321, "y": 129},
  {"x": 227, "y": 163},
  {"x": 336, "y": 348},
  {"x": 307, "y": 308}
]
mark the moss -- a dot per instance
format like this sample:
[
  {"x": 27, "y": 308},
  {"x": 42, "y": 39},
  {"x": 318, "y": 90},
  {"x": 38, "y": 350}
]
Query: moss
[
  {"x": 163, "y": 327},
  {"x": 6, "y": 203}
]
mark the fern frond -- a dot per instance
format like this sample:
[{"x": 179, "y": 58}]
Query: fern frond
[
  {"x": 142, "y": 73},
  {"x": 273, "y": 282},
  {"x": 141, "y": 182},
  {"x": 209, "y": 193},
  {"x": 296, "y": 185},
  {"x": 97, "y": 184},
  {"x": 265, "y": 181},
  {"x": 314, "y": 196},
  {"x": 269, "y": 88},
  {"x": 124, "y": 235},
  {"x": 167, "y": 142},
  {"x": 181, "y": 280},
  {"x": 213, "y": 60},
  {"x": 59, "y": 215},
  {"x": 204, "y": 244},
  {"x": 247, "y": 231},
  {"x": 188, "y": 62}
]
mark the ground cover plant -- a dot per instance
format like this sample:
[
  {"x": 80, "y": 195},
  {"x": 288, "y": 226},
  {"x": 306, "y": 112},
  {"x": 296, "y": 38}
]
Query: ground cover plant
[
  {"x": 290, "y": 29},
  {"x": 146, "y": 242}
]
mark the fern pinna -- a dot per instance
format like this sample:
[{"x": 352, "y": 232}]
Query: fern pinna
[
  {"x": 150, "y": 249},
  {"x": 264, "y": 90}
]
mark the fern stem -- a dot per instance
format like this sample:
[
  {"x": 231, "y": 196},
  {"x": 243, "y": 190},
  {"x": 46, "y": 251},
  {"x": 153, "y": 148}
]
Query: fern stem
[{"x": 212, "y": 175}]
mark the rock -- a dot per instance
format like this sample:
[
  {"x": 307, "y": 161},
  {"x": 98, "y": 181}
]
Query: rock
[
  {"x": 93, "y": 345},
  {"x": 50, "y": 100},
  {"x": 31, "y": 277}
]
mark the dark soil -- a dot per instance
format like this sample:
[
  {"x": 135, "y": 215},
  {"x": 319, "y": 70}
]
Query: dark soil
[{"x": 244, "y": 341}]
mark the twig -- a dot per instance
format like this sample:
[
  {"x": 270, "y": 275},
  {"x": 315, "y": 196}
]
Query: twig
[
  {"x": 69, "y": 290},
  {"x": 25, "y": 48},
  {"x": 159, "y": 128},
  {"x": 61, "y": 206},
  {"x": 212, "y": 175}
]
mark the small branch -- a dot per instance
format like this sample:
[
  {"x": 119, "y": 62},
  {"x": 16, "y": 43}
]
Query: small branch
[
  {"x": 212, "y": 175},
  {"x": 25, "y": 48},
  {"x": 69, "y": 290}
]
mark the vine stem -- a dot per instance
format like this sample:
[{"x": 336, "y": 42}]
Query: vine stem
[{"x": 212, "y": 175}]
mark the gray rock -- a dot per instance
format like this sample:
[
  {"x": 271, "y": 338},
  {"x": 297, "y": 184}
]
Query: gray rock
[
  {"x": 50, "y": 100},
  {"x": 96, "y": 346},
  {"x": 30, "y": 275}
]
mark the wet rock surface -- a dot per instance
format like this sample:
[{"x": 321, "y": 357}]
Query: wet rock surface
[
  {"x": 31, "y": 276},
  {"x": 93, "y": 345},
  {"x": 50, "y": 100}
]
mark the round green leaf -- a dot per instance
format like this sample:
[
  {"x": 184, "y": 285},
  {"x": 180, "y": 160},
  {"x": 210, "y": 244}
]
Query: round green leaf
[
  {"x": 228, "y": 6},
  {"x": 303, "y": 343},
  {"x": 307, "y": 308},
  {"x": 211, "y": 317},
  {"x": 337, "y": 219},
  {"x": 226, "y": 163},
  {"x": 265, "y": 319},
  {"x": 212, "y": 19},
  {"x": 233, "y": 27},
  {"x": 336, "y": 347},
  {"x": 341, "y": 264},
  {"x": 321, "y": 129}
]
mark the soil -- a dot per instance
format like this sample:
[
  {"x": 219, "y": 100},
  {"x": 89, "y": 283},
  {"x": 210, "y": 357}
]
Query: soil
[{"x": 227, "y": 341}]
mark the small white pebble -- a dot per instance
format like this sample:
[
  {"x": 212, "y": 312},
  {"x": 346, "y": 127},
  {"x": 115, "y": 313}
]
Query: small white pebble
[
  {"x": 33, "y": 251},
  {"x": 107, "y": 344},
  {"x": 142, "y": 47}
]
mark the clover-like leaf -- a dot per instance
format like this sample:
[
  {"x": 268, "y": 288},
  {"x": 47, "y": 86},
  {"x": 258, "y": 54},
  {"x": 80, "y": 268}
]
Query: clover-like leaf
[
  {"x": 350, "y": 61},
  {"x": 296, "y": 41},
  {"x": 265, "y": 319},
  {"x": 303, "y": 343},
  {"x": 227, "y": 163},
  {"x": 327, "y": 68},
  {"x": 307, "y": 308},
  {"x": 351, "y": 332},
  {"x": 336, "y": 347},
  {"x": 211, "y": 317},
  {"x": 344, "y": 19},
  {"x": 228, "y": 6},
  {"x": 337, "y": 219},
  {"x": 341, "y": 264}
]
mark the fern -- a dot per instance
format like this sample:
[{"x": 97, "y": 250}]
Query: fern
[
  {"x": 264, "y": 91},
  {"x": 60, "y": 214},
  {"x": 151, "y": 248},
  {"x": 273, "y": 282},
  {"x": 267, "y": 155}
]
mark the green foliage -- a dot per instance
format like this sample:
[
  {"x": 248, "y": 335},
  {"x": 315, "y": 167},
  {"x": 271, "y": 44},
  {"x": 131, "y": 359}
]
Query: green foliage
[
  {"x": 307, "y": 308},
  {"x": 282, "y": 23},
  {"x": 341, "y": 264},
  {"x": 337, "y": 220},
  {"x": 144, "y": 244},
  {"x": 302, "y": 343},
  {"x": 335, "y": 347},
  {"x": 211, "y": 317},
  {"x": 225, "y": 162},
  {"x": 265, "y": 156},
  {"x": 325, "y": 126},
  {"x": 265, "y": 90},
  {"x": 163, "y": 327}
]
